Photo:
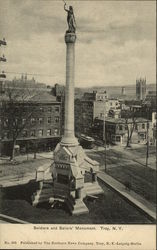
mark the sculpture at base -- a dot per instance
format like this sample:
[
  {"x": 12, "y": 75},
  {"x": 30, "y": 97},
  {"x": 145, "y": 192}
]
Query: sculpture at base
[{"x": 70, "y": 19}]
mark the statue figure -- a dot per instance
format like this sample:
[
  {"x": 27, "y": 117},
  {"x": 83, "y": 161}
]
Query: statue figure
[{"x": 70, "y": 19}]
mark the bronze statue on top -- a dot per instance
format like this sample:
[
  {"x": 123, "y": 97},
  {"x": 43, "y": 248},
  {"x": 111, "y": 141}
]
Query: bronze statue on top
[{"x": 70, "y": 19}]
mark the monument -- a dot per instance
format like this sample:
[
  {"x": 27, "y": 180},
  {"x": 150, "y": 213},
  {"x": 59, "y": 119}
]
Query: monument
[{"x": 70, "y": 165}]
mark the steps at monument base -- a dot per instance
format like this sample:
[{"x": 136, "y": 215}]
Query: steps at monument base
[
  {"x": 47, "y": 190},
  {"x": 46, "y": 195},
  {"x": 42, "y": 195},
  {"x": 42, "y": 198},
  {"x": 61, "y": 192},
  {"x": 92, "y": 188},
  {"x": 47, "y": 185},
  {"x": 39, "y": 200}
]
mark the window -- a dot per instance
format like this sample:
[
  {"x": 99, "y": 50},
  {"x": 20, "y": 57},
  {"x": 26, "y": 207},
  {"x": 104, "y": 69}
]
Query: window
[
  {"x": 5, "y": 135},
  {"x": 142, "y": 136},
  {"x": 120, "y": 127},
  {"x": 118, "y": 138},
  {"x": 24, "y": 133},
  {"x": 40, "y": 120},
  {"x": 48, "y": 132},
  {"x": 15, "y": 122},
  {"x": 56, "y": 131},
  {"x": 49, "y": 109},
  {"x": 113, "y": 137},
  {"x": 56, "y": 118},
  {"x": 49, "y": 120},
  {"x": 126, "y": 127},
  {"x": 40, "y": 132},
  {"x": 23, "y": 121},
  {"x": 32, "y": 133},
  {"x": 6, "y": 123},
  {"x": 41, "y": 109},
  {"x": 32, "y": 120},
  {"x": 143, "y": 126},
  {"x": 57, "y": 109}
]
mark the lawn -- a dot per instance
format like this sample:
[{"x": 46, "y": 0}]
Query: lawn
[
  {"x": 21, "y": 167},
  {"x": 109, "y": 208},
  {"x": 143, "y": 180},
  {"x": 141, "y": 151},
  {"x": 113, "y": 158},
  {"x": 123, "y": 168}
]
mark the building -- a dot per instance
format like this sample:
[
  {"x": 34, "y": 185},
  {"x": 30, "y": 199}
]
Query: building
[
  {"x": 154, "y": 122},
  {"x": 114, "y": 113},
  {"x": 95, "y": 96},
  {"x": 59, "y": 91},
  {"x": 24, "y": 82},
  {"x": 92, "y": 105},
  {"x": 116, "y": 130},
  {"x": 123, "y": 91},
  {"x": 140, "y": 89},
  {"x": 41, "y": 129},
  {"x": 151, "y": 98}
]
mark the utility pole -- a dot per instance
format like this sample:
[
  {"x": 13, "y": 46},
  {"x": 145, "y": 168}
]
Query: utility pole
[
  {"x": 2, "y": 58},
  {"x": 147, "y": 152},
  {"x": 2, "y": 75},
  {"x": 104, "y": 136}
]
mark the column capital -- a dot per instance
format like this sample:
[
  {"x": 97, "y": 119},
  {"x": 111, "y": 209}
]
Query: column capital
[{"x": 70, "y": 37}]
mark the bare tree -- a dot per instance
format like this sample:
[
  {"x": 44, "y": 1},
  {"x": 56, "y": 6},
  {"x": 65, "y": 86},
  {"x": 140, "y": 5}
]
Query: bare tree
[
  {"x": 130, "y": 121},
  {"x": 17, "y": 110}
]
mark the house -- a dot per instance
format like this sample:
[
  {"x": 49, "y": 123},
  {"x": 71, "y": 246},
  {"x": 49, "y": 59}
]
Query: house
[{"x": 116, "y": 130}]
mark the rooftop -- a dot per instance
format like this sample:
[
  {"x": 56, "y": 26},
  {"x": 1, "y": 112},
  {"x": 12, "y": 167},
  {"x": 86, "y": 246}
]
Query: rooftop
[
  {"x": 122, "y": 120},
  {"x": 30, "y": 97}
]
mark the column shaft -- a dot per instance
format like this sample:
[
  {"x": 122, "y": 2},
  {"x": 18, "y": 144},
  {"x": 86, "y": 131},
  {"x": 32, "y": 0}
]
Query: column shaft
[{"x": 69, "y": 136}]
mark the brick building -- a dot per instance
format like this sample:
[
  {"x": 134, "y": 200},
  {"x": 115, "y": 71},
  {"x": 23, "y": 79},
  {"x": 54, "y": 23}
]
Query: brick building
[
  {"x": 42, "y": 130},
  {"x": 59, "y": 92},
  {"x": 92, "y": 105}
]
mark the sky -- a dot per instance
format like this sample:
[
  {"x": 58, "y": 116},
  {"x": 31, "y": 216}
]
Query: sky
[{"x": 116, "y": 41}]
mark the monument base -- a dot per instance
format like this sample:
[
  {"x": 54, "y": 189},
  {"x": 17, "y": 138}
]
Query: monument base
[
  {"x": 68, "y": 179},
  {"x": 69, "y": 142}
]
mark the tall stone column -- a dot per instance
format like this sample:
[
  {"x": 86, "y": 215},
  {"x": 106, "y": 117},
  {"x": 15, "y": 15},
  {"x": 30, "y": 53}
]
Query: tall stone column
[{"x": 69, "y": 138}]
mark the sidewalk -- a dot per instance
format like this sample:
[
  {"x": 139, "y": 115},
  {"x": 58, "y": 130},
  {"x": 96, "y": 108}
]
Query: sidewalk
[{"x": 138, "y": 201}]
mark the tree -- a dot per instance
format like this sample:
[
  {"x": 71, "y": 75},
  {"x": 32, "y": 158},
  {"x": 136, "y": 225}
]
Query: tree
[
  {"x": 17, "y": 110},
  {"x": 130, "y": 122}
]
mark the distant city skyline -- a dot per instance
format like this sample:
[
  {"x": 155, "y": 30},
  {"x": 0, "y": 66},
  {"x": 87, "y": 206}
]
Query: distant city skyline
[{"x": 116, "y": 41}]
